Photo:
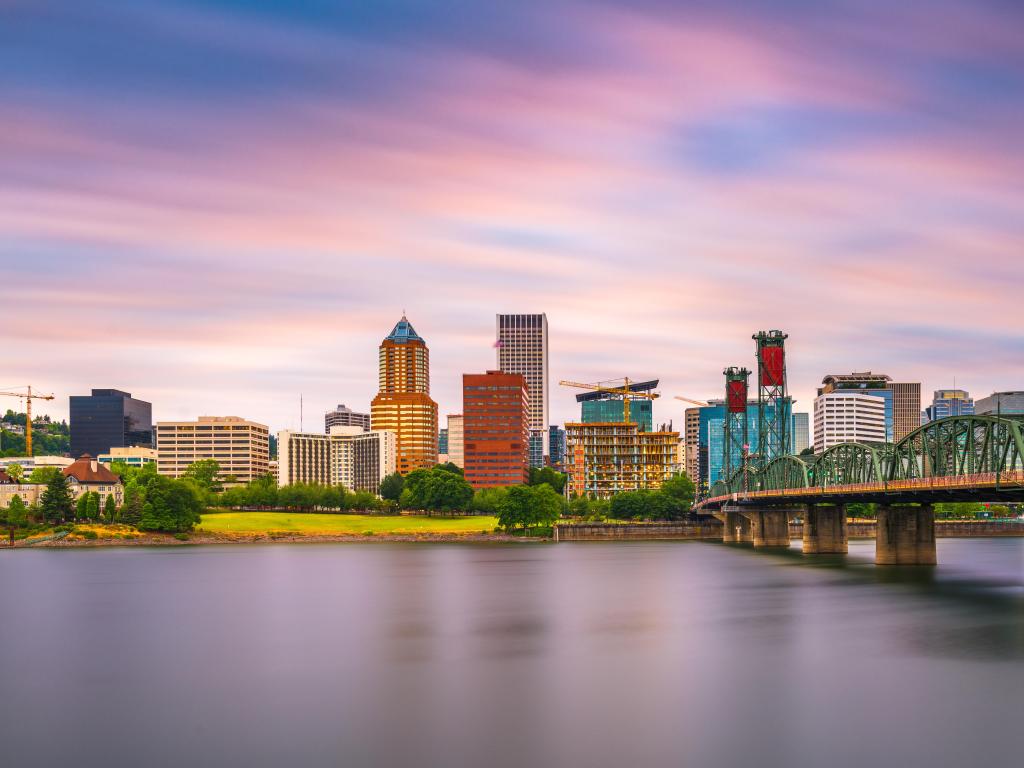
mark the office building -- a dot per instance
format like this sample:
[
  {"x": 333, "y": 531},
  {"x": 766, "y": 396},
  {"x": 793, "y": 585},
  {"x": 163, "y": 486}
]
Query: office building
[
  {"x": 691, "y": 442},
  {"x": 29, "y": 463},
  {"x": 906, "y": 409},
  {"x": 109, "y": 418},
  {"x": 950, "y": 402},
  {"x": 876, "y": 385},
  {"x": 603, "y": 459},
  {"x": 343, "y": 416},
  {"x": 1000, "y": 404},
  {"x": 132, "y": 456},
  {"x": 348, "y": 456},
  {"x": 240, "y": 447},
  {"x": 442, "y": 445},
  {"x": 711, "y": 439},
  {"x": 403, "y": 403},
  {"x": 801, "y": 432},
  {"x": 522, "y": 347},
  {"x": 848, "y": 416},
  {"x": 556, "y": 442},
  {"x": 496, "y": 424},
  {"x": 456, "y": 450},
  {"x": 597, "y": 407}
]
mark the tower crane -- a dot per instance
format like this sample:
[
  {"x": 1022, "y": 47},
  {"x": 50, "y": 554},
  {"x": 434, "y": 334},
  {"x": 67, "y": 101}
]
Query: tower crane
[
  {"x": 28, "y": 397},
  {"x": 700, "y": 403},
  {"x": 625, "y": 392}
]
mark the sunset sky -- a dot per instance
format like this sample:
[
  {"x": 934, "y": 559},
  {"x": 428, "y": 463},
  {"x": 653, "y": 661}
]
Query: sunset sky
[{"x": 218, "y": 206}]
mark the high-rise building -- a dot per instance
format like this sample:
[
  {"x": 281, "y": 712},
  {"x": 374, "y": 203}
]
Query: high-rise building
[
  {"x": 522, "y": 347},
  {"x": 801, "y": 432},
  {"x": 950, "y": 402},
  {"x": 711, "y": 440},
  {"x": 1000, "y": 404},
  {"x": 848, "y": 416},
  {"x": 348, "y": 457},
  {"x": 556, "y": 440},
  {"x": 456, "y": 443},
  {"x": 403, "y": 403},
  {"x": 906, "y": 408},
  {"x": 343, "y": 416},
  {"x": 442, "y": 445},
  {"x": 603, "y": 459},
  {"x": 109, "y": 418},
  {"x": 495, "y": 409},
  {"x": 866, "y": 382},
  {"x": 691, "y": 442},
  {"x": 240, "y": 447}
]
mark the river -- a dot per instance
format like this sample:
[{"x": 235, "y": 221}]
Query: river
[{"x": 599, "y": 654}]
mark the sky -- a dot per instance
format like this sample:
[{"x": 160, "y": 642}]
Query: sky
[{"x": 221, "y": 206}]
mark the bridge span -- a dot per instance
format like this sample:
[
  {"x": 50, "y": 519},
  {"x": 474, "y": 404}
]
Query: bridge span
[{"x": 960, "y": 458}]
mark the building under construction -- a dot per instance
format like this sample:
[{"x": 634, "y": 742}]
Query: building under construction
[{"x": 605, "y": 458}]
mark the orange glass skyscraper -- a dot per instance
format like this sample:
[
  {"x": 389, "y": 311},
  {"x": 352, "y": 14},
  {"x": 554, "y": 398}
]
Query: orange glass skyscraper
[
  {"x": 496, "y": 424},
  {"x": 403, "y": 403}
]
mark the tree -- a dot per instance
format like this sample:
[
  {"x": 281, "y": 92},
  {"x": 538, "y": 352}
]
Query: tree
[
  {"x": 262, "y": 492},
  {"x": 204, "y": 474},
  {"x": 449, "y": 466},
  {"x": 170, "y": 505},
  {"x": 92, "y": 507},
  {"x": 809, "y": 451},
  {"x": 526, "y": 506},
  {"x": 82, "y": 507},
  {"x": 17, "y": 513},
  {"x": 364, "y": 500},
  {"x": 110, "y": 509},
  {"x": 391, "y": 487},
  {"x": 681, "y": 491},
  {"x": 57, "y": 504},
  {"x": 43, "y": 475},
  {"x": 16, "y": 472},
  {"x": 486, "y": 500},
  {"x": 547, "y": 475}
]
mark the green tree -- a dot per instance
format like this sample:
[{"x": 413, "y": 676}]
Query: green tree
[
  {"x": 204, "y": 474},
  {"x": 92, "y": 507},
  {"x": 448, "y": 466},
  {"x": 527, "y": 506},
  {"x": 391, "y": 487},
  {"x": 364, "y": 501},
  {"x": 43, "y": 475},
  {"x": 486, "y": 500},
  {"x": 17, "y": 513},
  {"x": 262, "y": 492},
  {"x": 110, "y": 509},
  {"x": 82, "y": 508},
  {"x": 16, "y": 472},
  {"x": 134, "y": 498},
  {"x": 548, "y": 475},
  {"x": 57, "y": 504},
  {"x": 680, "y": 492},
  {"x": 170, "y": 505}
]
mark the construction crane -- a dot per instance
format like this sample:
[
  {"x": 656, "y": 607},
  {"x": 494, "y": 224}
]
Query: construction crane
[
  {"x": 28, "y": 397},
  {"x": 625, "y": 392},
  {"x": 701, "y": 403}
]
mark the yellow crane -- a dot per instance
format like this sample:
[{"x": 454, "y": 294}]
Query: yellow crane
[
  {"x": 700, "y": 403},
  {"x": 624, "y": 392},
  {"x": 28, "y": 397}
]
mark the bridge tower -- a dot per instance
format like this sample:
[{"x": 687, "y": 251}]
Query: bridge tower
[
  {"x": 735, "y": 443},
  {"x": 774, "y": 408}
]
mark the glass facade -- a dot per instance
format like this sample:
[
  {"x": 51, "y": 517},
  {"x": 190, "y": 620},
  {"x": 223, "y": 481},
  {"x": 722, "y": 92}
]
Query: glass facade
[
  {"x": 641, "y": 412},
  {"x": 109, "y": 418},
  {"x": 556, "y": 435},
  {"x": 950, "y": 402},
  {"x": 711, "y": 440}
]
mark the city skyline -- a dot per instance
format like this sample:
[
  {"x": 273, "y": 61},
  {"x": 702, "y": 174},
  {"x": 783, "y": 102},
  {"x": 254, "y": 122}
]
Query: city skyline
[{"x": 661, "y": 182}]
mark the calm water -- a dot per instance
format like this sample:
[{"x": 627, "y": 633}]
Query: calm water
[{"x": 662, "y": 654}]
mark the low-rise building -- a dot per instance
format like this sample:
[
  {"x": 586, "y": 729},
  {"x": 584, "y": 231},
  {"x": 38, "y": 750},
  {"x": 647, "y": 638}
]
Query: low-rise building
[
  {"x": 603, "y": 459},
  {"x": 133, "y": 456},
  {"x": 87, "y": 475}
]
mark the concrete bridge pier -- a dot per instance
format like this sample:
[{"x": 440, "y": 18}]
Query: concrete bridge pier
[
  {"x": 769, "y": 527},
  {"x": 735, "y": 528},
  {"x": 906, "y": 535},
  {"x": 825, "y": 530}
]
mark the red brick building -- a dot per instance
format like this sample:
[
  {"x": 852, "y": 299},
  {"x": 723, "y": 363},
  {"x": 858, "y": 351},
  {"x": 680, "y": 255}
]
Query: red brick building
[{"x": 495, "y": 409}]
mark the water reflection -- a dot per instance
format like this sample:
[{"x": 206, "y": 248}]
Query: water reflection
[{"x": 646, "y": 653}]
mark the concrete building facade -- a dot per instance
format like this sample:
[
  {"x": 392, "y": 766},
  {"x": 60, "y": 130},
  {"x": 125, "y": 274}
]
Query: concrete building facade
[
  {"x": 950, "y": 402},
  {"x": 1000, "y": 403},
  {"x": 343, "y": 416},
  {"x": 522, "y": 347},
  {"x": 239, "y": 446},
  {"x": 403, "y": 404},
  {"x": 691, "y": 442},
  {"x": 456, "y": 442},
  {"x": 132, "y": 456},
  {"x": 348, "y": 457},
  {"x": 906, "y": 408},
  {"x": 603, "y": 459},
  {"x": 848, "y": 417},
  {"x": 495, "y": 409}
]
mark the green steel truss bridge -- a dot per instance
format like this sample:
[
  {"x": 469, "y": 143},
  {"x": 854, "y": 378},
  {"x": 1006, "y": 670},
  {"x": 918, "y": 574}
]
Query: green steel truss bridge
[{"x": 960, "y": 458}]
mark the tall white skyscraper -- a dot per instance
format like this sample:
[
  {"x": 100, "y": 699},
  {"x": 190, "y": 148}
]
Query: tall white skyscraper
[
  {"x": 848, "y": 417},
  {"x": 522, "y": 346}
]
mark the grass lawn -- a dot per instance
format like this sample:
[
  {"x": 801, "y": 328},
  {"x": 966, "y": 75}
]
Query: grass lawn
[{"x": 298, "y": 522}]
